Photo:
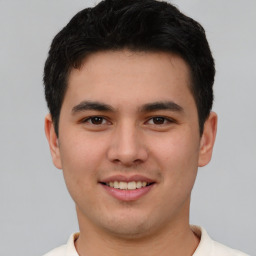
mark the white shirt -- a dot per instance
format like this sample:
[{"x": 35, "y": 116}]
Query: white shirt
[{"x": 206, "y": 247}]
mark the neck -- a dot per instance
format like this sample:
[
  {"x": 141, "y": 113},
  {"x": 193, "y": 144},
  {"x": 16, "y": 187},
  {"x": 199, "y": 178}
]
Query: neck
[{"x": 176, "y": 239}]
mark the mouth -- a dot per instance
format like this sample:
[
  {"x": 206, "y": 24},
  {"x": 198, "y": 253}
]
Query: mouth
[
  {"x": 131, "y": 185},
  {"x": 127, "y": 189}
]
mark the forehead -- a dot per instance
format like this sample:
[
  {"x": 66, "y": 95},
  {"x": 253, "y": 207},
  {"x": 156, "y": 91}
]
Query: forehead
[
  {"x": 138, "y": 77},
  {"x": 119, "y": 60}
]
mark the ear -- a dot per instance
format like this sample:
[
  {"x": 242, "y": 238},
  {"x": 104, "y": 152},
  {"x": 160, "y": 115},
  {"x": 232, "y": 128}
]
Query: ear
[
  {"x": 53, "y": 141},
  {"x": 207, "y": 140}
]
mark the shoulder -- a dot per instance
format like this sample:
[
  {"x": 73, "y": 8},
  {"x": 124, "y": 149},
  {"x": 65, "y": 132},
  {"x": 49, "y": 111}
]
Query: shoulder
[
  {"x": 57, "y": 251},
  {"x": 208, "y": 246},
  {"x": 67, "y": 249},
  {"x": 220, "y": 249}
]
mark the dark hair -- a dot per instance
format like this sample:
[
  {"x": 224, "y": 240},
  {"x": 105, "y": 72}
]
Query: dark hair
[{"x": 137, "y": 25}]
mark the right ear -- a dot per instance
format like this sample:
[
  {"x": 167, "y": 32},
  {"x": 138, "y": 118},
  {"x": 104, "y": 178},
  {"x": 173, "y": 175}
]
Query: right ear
[{"x": 53, "y": 141}]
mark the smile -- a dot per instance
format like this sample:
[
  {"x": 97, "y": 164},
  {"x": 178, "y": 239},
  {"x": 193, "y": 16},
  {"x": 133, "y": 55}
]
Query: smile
[
  {"x": 127, "y": 188},
  {"x": 127, "y": 185}
]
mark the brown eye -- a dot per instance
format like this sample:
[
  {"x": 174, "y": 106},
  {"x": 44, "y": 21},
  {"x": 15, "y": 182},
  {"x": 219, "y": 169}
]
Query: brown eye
[
  {"x": 95, "y": 120},
  {"x": 158, "y": 120}
]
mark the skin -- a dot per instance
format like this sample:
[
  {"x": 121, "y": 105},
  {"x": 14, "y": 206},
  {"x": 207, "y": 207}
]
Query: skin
[{"x": 163, "y": 145}]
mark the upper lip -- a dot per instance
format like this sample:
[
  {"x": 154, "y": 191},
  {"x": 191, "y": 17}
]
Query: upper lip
[{"x": 127, "y": 178}]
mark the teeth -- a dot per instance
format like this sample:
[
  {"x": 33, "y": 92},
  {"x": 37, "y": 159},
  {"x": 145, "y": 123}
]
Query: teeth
[
  {"x": 127, "y": 185},
  {"x": 131, "y": 185},
  {"x": 116, "y": 184},
  {"x": 123, "y": 185}
]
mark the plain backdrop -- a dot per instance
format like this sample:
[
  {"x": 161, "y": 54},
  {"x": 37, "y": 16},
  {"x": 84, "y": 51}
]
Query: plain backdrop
[{"x": 36, "y": 212}]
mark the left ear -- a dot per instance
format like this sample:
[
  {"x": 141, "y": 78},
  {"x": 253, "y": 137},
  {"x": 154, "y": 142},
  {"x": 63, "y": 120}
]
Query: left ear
[{"x": 207, "y": 140}]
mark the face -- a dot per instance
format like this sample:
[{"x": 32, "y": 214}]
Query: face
[{"x": 129, "y": 142}]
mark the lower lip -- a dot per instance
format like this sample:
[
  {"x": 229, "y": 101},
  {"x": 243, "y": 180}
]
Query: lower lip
[{"x": 127, "y": 195}]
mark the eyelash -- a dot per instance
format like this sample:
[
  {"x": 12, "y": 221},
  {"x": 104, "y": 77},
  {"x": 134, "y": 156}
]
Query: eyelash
[
  {"x": 89, "y": 120},
  {"x": 165, "y": 120},
  {"x": 162, "y": 118}
]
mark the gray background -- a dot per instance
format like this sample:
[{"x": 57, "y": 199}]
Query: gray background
[{"x": 36, "y": 212}]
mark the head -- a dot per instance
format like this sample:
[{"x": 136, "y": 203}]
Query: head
[
  {"x": 138, "y": 26},
  {"x": 129, "y": 88}
]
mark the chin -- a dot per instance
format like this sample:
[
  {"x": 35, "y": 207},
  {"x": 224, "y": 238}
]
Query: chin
[
  {"x": 129, "y": 227},
  {"x": 129, "y": 231}
]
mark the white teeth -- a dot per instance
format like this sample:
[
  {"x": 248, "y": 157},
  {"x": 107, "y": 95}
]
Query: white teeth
[
  {"x": 123, "y": 185},
  {"x": 139, "y": 184},
  {"x": 116, "y": 184},
  {"x": 127, "y": 185},
  {"x": 131, "y": 185}
]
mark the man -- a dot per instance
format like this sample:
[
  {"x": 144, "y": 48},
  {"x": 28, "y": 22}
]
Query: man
[{"x": 129, "y": 89}]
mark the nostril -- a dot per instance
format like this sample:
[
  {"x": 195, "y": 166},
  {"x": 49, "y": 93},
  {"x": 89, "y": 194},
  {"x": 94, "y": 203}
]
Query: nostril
[{"x": 127, "y": 162}]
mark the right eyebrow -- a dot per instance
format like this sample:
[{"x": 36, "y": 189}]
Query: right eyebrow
[{"x": 92, "y": 105}]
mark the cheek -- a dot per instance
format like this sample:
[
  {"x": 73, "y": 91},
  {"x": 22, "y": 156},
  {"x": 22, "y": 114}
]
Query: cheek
[
  {"x": 80, "y": 156},
  {"x": 177, "y": 150},
  {"x": 177, "y": 157},
  {"x": 80, "y": 149}
]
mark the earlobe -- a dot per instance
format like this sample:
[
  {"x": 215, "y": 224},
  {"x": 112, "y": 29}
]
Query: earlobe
[
  {"x": 207, "y": 140},
  {"x": 52, "y": 141}
]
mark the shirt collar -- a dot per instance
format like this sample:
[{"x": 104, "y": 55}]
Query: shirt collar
[
  {"x": 205, "y": 246},
  {"x": 71, "y": 249}
]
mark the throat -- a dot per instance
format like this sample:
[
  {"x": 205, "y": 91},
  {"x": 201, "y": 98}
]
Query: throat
[{"x": 145, "y": 246}]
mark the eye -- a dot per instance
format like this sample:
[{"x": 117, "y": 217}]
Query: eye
[
  {"x": 159, "y": 120},
  {"x": 95, "y": 120}
]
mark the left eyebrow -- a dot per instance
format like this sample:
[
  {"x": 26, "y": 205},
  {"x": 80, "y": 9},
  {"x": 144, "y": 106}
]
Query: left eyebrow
[{"x": 163, "y": 105}]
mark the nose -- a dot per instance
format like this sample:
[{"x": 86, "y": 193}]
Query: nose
[{"x": 127, "y": 147}]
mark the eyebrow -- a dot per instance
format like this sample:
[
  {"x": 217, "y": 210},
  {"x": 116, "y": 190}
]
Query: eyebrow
[
  {"x": 149, "y": 107},
  {"x": 163, "y": 105},
  {"x": 92, "y": 105}
]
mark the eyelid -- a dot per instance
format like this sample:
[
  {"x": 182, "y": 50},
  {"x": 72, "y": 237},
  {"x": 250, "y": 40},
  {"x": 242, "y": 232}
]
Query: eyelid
[
  {"x": 89, "y": 118},
  {"x": 167, "y": 120},
  {"x": 106, "y": 121}
]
